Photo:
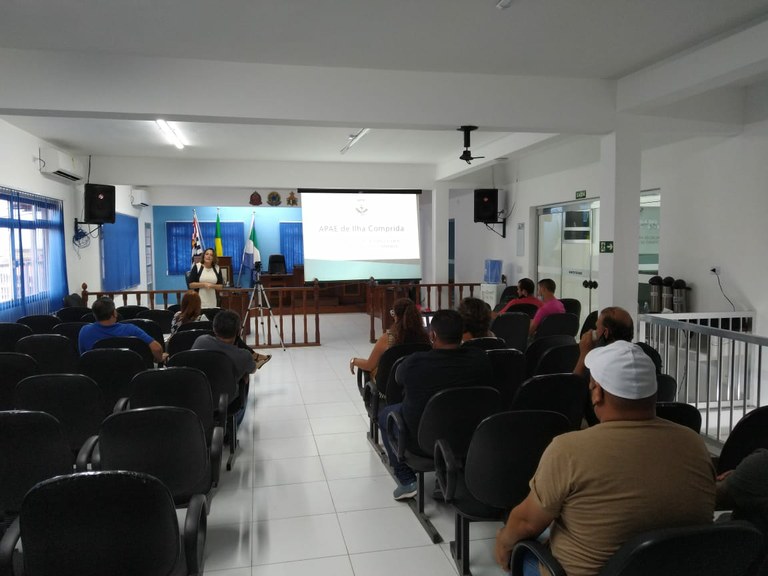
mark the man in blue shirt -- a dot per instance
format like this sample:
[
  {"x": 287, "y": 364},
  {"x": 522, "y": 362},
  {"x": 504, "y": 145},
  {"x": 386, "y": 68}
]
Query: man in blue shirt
[{"x": 107, "y": 326}]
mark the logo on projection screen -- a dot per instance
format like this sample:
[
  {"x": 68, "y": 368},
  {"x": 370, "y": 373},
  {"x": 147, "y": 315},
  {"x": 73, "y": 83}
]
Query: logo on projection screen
[{"x": 361, "y": 208}]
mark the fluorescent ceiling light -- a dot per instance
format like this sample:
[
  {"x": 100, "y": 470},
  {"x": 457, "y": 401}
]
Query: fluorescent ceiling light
[
  {"x": 354, "y": 139},
  {"x": 502, "y": 4},
  {"x": 172, "y": 134}
]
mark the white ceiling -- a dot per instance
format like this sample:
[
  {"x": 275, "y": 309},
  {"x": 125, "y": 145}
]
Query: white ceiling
[{"x": 567, "y": 38}]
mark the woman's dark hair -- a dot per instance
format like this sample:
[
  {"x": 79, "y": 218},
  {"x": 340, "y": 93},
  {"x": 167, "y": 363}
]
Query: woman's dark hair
[
  {"x": 476, "y": 315},
  {"x": 215, "y": 260},
  {"x": 191, "y": 306},
  {"x": 408, "y": 327}
]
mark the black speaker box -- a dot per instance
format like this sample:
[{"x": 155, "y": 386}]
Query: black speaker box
[
  {"x": 487, "y": 205},
  {"x": 99, "y": 204}
]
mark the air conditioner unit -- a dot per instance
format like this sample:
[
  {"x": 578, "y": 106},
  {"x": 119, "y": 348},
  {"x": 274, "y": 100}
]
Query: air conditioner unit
[
  {"x": 61, "y": 165},
  {"x": 139, "y": 198}
]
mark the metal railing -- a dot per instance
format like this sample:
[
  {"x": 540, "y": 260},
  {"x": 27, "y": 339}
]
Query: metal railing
[{"x": 717, "y": 363}]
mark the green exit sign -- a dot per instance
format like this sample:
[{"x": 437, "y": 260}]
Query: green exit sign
[
  {"x": 581, "y": 194},
  {"x": 606, "y": 247}
]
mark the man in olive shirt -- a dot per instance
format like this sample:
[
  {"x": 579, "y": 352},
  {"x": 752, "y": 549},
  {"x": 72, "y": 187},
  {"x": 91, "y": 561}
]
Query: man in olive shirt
[{"x": 631, "y": 473}]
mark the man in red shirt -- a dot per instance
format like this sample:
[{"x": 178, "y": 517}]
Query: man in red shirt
[{"x": 525, "y": 289}]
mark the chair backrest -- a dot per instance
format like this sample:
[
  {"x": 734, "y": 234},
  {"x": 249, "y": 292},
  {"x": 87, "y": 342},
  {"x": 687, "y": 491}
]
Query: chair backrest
[
  {"x": 216, "y": 365},
  {"x": 504, "y": 453},
  {"x": 453, "y": 415},
  {"x": 392, "y": 355},
  {"x": 486, "y": 343},
  {"x": 196, "y": 325},
  {"x": 71, "y": 330},
  {"x": 527, "y": 309},
  {"x": 14, "y": 367},
  {"x": 167, "y": 442},
  {"x": 680, "y": 413},
  {"x": 509, "y": 293},
  {"x": 666, "y": 388},
  {"x": 10, "y": 333},
  {"x": 572, "y": 306},
  {"x": 164, "y": 318},
  {"x": 72, "y": 313},
  {"x": 40, "y": 323},
  {"x": 558, "y": 359},
  {"x": 513, "y": 328},
  {"x": 132, "y": 343},
  {"x": 210, "y": 313},
  {"x": 724, "y": 549},
  {"x": 184, "y": 340},
  {"x": 749, "y": 434},
  {"x": 653, "y": 354},
  {"x": 565, "y": 394},
  {"x": 508, "y": 367},
  {"x": 179, "y": 386},
  {"x": 112, "y": 369},
  {"x": 590, "y": 323},
  {"x": 125, "y": 523},
  {"x": 89, "y": 318},
  {"x": 75, "y": 400},
  {"x": 54, "y": 353},
  {"x": 555, "y": 324},
  {"x": 150, "y": 327},
  {"x": 32, "y": 449},
  {"x": 174, "y": 308},
  {"x": 129, "y": 312},
  {"x": 277, "y": 264},
  {"x": 538, "y": 347}
]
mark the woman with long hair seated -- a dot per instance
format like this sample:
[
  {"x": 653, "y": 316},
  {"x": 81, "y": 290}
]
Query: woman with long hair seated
[
  {"x": 408, "y": 328},
  {"x": 191, "y": 311}
]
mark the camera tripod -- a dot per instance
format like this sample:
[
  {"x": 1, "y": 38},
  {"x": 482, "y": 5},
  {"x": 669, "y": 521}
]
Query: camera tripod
[{"x": 263, "y": 304}]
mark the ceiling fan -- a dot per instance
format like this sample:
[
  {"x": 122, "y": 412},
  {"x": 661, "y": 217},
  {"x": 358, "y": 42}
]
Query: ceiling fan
[{"x": 467, "y": 155}]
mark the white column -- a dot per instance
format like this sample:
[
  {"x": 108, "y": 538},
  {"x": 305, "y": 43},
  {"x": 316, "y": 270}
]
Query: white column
[
  {"x": 620, "y": 164},
  {"x": 439, "y": 264}
]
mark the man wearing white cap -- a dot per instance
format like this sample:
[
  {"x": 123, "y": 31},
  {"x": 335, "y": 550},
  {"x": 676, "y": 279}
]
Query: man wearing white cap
[{"x": 631, "y": 473}]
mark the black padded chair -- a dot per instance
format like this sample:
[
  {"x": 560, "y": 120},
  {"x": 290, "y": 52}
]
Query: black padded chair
[
  {"x": 513, "y": 328},
  {"x": 54, "y": 353},
  {"x": 166, "y": 442},
  {"x": 565, "y": 394},
  {"x": 131, "y": 343},
  {"x": 32, "y": 449},
  {"x": 40, "y": 323},
  {"x": 527, "y": 309},
  {"x": 196, "y": 325},
  {"x": 558, "y": 360},
  {"x": 89, "y": 318},
  {"x": 72, "y": 313},
  {"x": 538, "y": 347},
  {"x": 666, "y": 388},
  {"x": 509, "y": 293},
  {"x": 14, "y": 367},
  {"x": 174, "y": 308},
  {"x": 653, "y": 354},
  {"x": 486, "y": 343},
  {"x": 722, "y": 549},
  {"x": 71, "y": 330},
  {"x": 749, "y": 434},
  {"x": 556, "y": 324},
  {"x": 210, "y": 313},
  {"x": 10, "y": 333},
  {"x": 590, "y": 323},
  {"x": 129, "y": 312},
  {"x": 150, "y": 327},
  {"x": 112, "y": 369},
  {"x": 163, "y": 318},
  {"x": 126, "y": 524},
  {"x": 680, "y": 413},
  {"x": 184, "y": 340},
  {"x": 572, "y": 306},
  {"x": 502, "y": 457},
  {"x": 277, "y": 264},
  {"x": 75, "y": 400},
  {"x": 508, "y": 372},
  {"x": 451, "y": 415}
]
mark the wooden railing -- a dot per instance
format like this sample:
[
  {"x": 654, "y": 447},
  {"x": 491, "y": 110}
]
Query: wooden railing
[
  {"x": 430, "y": 297},
  {"x": 292, "y": 310}
]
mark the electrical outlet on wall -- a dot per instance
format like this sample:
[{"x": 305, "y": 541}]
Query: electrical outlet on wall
[{"x": 714, "y": 270}]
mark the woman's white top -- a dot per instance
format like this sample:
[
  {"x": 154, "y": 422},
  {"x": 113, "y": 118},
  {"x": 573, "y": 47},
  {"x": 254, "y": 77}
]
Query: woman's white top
[{"x": 208, "y": 295}]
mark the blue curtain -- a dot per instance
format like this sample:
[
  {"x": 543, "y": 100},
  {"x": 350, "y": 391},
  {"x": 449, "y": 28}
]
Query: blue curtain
[
  {"x": 179, "y": 243},
  {"x": 292, "y": 244},
  {"x": 120, "y": 253},
  {"x": 33, "y": 268}
]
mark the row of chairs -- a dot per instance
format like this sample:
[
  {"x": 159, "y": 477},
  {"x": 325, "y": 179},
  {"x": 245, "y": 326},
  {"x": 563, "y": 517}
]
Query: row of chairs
[{"x": 513, "y": 327}]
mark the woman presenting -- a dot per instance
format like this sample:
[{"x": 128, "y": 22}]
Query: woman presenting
[{"x": 206, "y": 278}]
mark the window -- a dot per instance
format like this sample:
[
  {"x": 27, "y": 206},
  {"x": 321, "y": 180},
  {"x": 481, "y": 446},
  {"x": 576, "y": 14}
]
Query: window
[
  {"x": 292, "y": 244},
  {"x": 33, "y": 269},
  {"x": 120, "y": 253},
  {"x": 179, "y": 242}
]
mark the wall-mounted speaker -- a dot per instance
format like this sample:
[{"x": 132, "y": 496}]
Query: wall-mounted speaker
[
  {"x": 487, "y": 205},
  {"x": 99, "y": 204}
]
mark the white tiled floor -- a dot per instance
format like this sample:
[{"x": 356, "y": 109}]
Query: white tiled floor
[{"x": 308, "y": 495}]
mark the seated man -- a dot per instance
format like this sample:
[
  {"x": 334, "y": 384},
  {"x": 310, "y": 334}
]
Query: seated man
[
  {"x": 107, "y": 326},
  {"x": 601, "y": 486},
  {"x": 525, "y": 288},
  {"x": 423, "y": 374},
  {"x": 550, "y": 305}
]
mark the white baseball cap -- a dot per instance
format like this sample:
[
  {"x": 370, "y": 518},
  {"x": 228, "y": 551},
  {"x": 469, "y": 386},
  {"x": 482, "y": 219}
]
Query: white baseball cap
[{"x": 623, "y": 369}]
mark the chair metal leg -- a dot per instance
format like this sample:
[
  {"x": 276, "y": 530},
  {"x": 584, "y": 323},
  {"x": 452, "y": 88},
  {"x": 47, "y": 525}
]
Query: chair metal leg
[
  {"x": 464, "y": 569},
  {"x": 418, "y": 508},
  {"x": 232, "y": 441}
]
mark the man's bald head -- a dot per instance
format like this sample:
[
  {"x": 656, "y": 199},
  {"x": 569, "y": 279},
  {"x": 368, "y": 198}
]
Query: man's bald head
[{"x": 617, "y": 323}]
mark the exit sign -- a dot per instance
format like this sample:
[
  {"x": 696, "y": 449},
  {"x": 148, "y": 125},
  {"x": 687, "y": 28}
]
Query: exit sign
[
  {"x": 606, "y": 247},
  {"x": 581, "y": 194}
]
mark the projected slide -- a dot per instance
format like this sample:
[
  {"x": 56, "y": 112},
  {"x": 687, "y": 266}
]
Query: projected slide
[{"x": 353, "y": 236}]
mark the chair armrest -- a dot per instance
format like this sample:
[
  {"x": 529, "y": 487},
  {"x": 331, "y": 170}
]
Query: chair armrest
[
  {"x": 371, "y": 399},
  {"x": 195, "y": 532},
  {"x": 396, "y": 432},
  {"x": 85, "y": 453},
  {"x": 121, "y": 405},
  {"x": 363, "y": 377},
  {"x": 217, "y": 449},
  {"x": 7, "y": 546},
  {"x": 541, "y": 552},
  {"x": 447, "y": 466},
  {"x": 221, "y": 410}
]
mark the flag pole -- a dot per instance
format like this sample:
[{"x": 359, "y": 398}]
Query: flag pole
[{"x": 242, "y": 260}]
